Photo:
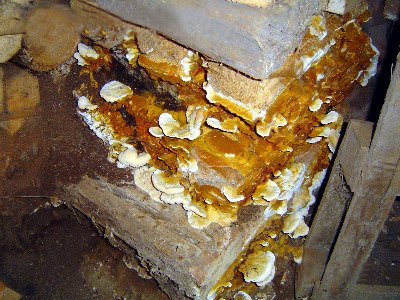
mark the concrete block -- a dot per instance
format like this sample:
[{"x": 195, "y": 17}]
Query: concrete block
[{"x": 253, "y": 40}]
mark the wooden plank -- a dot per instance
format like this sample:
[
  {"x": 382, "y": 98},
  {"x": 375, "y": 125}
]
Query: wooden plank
[
  {"x": 345, "y": 172},
  {"x": 354, "y": 151},
  {"x": 371, "y": 203},
  {"x": 253, "y": 40}
]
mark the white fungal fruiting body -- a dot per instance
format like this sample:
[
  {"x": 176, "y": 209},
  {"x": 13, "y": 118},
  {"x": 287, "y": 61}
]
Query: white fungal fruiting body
[
  {"x": 314, "y": 140},
  {"x": 315, "y": 105},
  {"x": 259, "y": 267},
  {"x": 195, "y": 208},
  {"x": 189, "y": 64},
  {"x": 132, "y": 54},
  {"x": 290, "y": 180},
  {"x": 166, "y": 184},
  {"x": 131, "y": 158},
  {"x": 84, "y": 103},
  {"x": 242, "y": 296},
  {"x": 80, "y": 60},
  {"x": 85, "y": 51},
  {"x": 268, "y": 191},
  {"x": 232, "y": 194},
  {"x": 294, "y": 225},
  {"x": 276, "y": 207},
  {"x": 181, "y": 198},
  {"x": 196, "y": 221},
  {"x": 315, "y": 56},
  {"x": 265, "y": 130},
  {"x": 97, "y": 124},
  {"x": 156, "y": 132},
  {"x": 195, "y": 117},
  {"x": 372, "y": 69},
  {"x": 333, "y": 140},
  {"x": 114, "y": 91},
  {"x": 187, "y": 165},
  {"x": 330, "y": 117},
  {"x": 142, "y": 178}
]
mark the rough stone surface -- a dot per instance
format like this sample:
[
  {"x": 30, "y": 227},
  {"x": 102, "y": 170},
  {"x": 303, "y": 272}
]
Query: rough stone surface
[
  {"x": 161, "y": 234},
  {"x": 51, "y": 37},
  {"x": 12, "y": 126},
  {"x": 20, "y": 97},
  {"x": 251, "y": 93},
  {"x": 21, "y": 90},
  {"x": 252, "y": 40},
  {"x": 11, "y": 18},
  {"x": 9, "y": 45}
]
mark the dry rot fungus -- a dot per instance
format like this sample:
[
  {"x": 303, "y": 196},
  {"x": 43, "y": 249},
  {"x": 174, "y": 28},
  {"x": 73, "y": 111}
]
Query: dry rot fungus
[{"x": 200, "y": 149}]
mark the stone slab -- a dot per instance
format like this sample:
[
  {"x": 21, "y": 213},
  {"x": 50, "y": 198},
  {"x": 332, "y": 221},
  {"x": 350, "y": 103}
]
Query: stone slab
[
  {"x": 9, "y": 45},
  {"x": 252, "y": 40},
  {"x": 161, "y": 235}
]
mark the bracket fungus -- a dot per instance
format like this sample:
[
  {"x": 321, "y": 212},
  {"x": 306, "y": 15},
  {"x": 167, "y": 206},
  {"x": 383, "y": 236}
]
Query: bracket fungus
[
  {"x": 131, "y": 158},
  {"x": 84, "y": 103},
  {"x": 114, "y": 91},
  {"x": 259, "y": 267},
  {"x": 85, "y": 51},
  {"x": 195, "y": 117},
  {"x": 166, "y": 184}
]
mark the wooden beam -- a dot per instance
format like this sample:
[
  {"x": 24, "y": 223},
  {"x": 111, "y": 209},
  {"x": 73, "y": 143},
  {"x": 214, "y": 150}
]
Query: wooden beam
[
  {"x": 345, "y": 175},
  {"x": 371, "y": 202}
]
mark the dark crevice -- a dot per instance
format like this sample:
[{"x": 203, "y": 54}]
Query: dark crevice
[{"x": 384, "y": 77}]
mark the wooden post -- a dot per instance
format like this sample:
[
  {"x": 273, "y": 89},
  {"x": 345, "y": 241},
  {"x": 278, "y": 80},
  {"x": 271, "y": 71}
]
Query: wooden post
[
  {"x": 371, "y": 202},
  {"x": 344, "y": 177}
]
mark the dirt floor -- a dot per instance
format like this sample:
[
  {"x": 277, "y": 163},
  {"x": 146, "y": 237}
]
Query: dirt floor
[
  {"x": 51, "y": 252},
  {"x": 56, "y": 253}
]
